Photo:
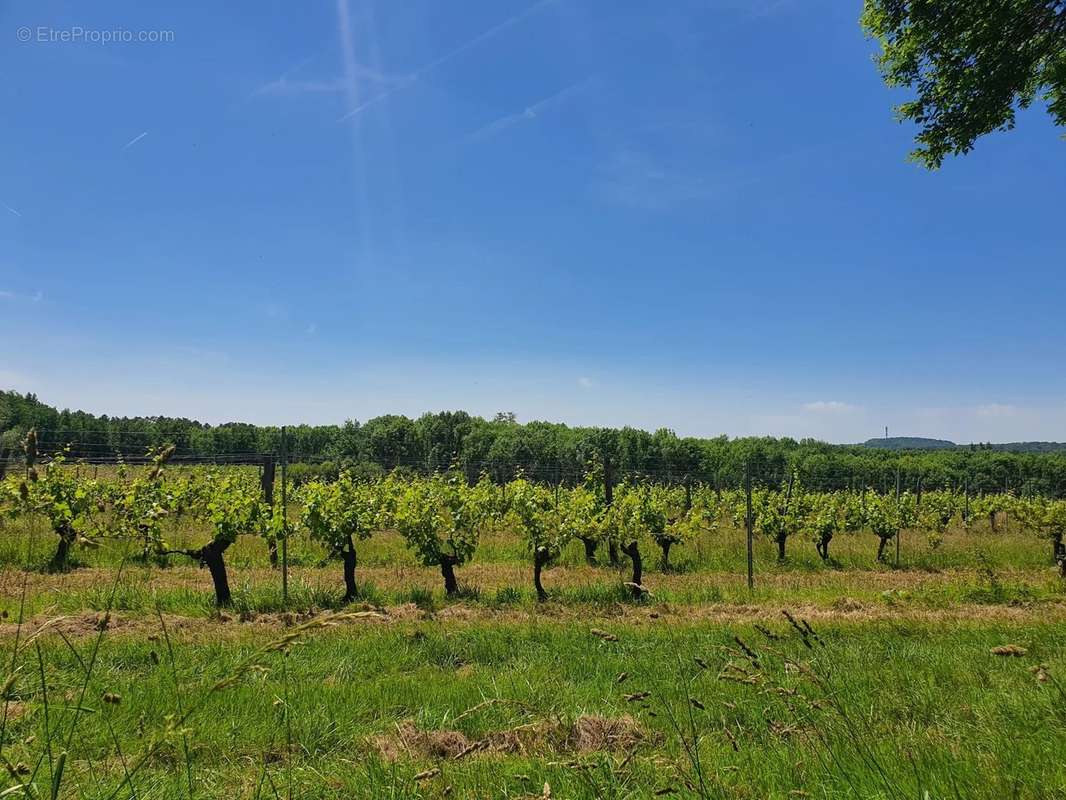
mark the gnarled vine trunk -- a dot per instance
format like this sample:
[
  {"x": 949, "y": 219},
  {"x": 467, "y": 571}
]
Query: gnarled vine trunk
[
  {"x": 348, "y": 556},
  {"x": 665, "y": 545},
  {"x": 612, "y": 554},
  {"x": 590, "y": 550},
  {"x": 61, "y": 557},
  {"x": 1059, "y": 554},
  {"x": 540, "y": 560},
  {"x": 881, "y": 549},
  {"x": 781, "y": 547},
  {"x": 822, "y": 546},
  {"x": 633, "y": 551},
  {"x": 447, "y": 569},
  {"x": 146, "y": 544},
  {"x": 211, "y": 556}
]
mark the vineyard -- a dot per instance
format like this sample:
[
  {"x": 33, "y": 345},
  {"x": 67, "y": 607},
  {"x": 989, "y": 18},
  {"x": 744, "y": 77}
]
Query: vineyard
[
  {"x": 456, "y": 634},
  {"x": 533, "y": 400},
  {"x": 149, "y": 514}
]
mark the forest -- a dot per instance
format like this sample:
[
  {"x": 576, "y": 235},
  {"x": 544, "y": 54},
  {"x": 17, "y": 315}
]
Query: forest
[{"x": 550, "y": 452}]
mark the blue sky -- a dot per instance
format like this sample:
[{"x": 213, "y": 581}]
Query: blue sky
[{"x": 696, "y": 215}]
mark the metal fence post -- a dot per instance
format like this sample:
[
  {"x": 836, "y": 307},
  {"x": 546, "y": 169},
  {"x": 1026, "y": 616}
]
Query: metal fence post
[
  {"x": 966, "y": 501},
  {"x": 899, "y": 533},
  {"x": 749, "y": 523},
  {"x": 284, "y": 514}
]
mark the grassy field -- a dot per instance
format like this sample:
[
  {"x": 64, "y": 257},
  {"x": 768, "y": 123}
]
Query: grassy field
[{"x": 942, "y": 678}]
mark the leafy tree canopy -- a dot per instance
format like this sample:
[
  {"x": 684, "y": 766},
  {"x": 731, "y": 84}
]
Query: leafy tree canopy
[{"x": 971, "y": 63}]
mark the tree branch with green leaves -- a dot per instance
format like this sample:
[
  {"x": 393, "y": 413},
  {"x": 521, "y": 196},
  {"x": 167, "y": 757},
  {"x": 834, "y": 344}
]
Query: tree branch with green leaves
[{"x": 971, "y": 65}]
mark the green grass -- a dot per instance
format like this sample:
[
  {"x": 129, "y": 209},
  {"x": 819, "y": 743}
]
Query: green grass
[
  {"x": 26, "y": 541},
  {"x": 186, "y": 590},
  {"x": 906, "y": 709},
  {"x": 897, "y": 697}
]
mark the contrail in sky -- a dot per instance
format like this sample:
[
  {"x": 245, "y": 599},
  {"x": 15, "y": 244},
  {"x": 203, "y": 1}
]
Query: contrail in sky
[
  {"x": 530, "y": 112},
  {"x": 134, "y": 140},
  {"x": 437, "y": 62}
]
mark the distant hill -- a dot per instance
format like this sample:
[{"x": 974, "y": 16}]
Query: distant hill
[
  {"x": 910, "y": 443},
  {"x": 1028, "y": 447},
  {"x": 924, "y": 443}
]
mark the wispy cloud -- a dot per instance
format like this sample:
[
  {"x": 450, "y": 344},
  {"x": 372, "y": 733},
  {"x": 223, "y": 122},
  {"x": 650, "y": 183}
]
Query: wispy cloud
[
  {"x": 134, "y": 140},
  {"x": 36, "y": 297},
  {"x": 273, "y": 310},
  {"x": 286, "y": 85},
  {"x": 444, "y": 59},
  {"x": 997, "y": 410},
  {"x": 829, "y": 407},
  {"x": 485, "y": 35},
  {"x": 585, "y": 382},
  {"x": 280, "y": 314},
  {"x": 530, "y": 112},
  {"x": 635, "y": 179},
  {"x": 13, "y": 211},
  {"x": 665, "y": 175}
]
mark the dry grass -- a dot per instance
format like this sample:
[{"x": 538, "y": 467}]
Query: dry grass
[
  {"x": 586, "y": 734},
  {"x": 493, "y": 577},
  {"x": 462, "y": 615}
]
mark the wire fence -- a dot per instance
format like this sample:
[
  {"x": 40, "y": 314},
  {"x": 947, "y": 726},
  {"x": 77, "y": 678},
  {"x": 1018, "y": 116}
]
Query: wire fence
[{"x": 135, "y": 449}]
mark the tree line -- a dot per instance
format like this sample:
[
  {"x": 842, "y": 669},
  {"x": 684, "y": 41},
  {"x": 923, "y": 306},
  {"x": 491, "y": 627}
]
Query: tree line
[{"x": 504, "y": 449}]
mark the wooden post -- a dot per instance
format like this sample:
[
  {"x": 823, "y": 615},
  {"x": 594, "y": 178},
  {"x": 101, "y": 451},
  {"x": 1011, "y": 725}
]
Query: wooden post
[
  {"x": 608, "y": 496},
  {"x": 30, "y": 447},
  {"x": 1006, "y": 490},
  {"x": 267, "y": 483},
  {"x": 749, "y": 524},
  {"x": 899, "y": 533}
]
